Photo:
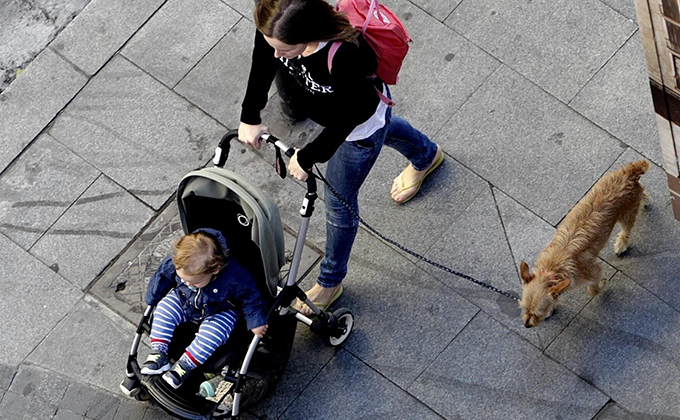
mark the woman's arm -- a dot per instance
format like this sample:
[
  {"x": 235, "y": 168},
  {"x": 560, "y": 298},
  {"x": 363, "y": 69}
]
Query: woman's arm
[
  {"x": 262, "y": 71},
  {"x": 351, "y": 71}
]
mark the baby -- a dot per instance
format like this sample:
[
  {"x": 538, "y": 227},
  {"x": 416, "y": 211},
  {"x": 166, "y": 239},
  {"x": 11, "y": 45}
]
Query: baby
[{"x": 200, "y": 283}]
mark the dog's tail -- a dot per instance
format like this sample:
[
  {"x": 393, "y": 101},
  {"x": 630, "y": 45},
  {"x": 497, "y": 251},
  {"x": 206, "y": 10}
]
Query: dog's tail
[{"x": 634, "y": 170}]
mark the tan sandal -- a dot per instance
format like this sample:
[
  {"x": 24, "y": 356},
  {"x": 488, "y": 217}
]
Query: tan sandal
[
  {"x": 323, "y": 306},
  {"x": 417, "y": 184}
]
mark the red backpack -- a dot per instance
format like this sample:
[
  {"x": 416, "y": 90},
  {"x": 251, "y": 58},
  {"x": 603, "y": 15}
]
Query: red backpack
[{"x": 383, "y": 31}]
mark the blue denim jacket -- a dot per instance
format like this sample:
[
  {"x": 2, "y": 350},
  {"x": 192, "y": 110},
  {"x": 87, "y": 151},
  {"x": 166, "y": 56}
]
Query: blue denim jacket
[{"x": 232, "y": 288}]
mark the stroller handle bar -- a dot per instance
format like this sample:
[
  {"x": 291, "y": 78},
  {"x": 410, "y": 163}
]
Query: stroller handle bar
[
  {"x": 222, "y": 150},
  {"x": 222, "y": 153}
]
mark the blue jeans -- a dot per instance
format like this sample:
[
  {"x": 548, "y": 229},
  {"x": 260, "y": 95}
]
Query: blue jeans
[{"x": 346, "y": 172}]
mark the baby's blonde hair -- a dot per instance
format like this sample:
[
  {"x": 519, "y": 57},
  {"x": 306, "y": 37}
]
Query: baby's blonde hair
[{"x": 198, "y": 253}]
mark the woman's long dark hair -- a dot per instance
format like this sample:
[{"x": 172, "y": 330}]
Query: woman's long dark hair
[{"x": 302, "y": 21}]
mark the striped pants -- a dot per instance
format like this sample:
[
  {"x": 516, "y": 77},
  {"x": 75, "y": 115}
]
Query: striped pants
[{"x": 212, "y": 333}]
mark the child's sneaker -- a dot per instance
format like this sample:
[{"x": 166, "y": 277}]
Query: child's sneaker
[
  {"x": 156, "y": 362},
  {"x": 175, "y": 377}
]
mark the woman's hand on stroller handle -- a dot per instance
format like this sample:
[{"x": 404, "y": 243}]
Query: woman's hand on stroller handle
[
  {"x": 252, "y": 134},
  {"x": 296, "y": 170}
]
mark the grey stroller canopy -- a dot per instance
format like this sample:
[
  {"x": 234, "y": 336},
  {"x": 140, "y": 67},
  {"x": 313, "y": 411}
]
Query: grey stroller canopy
[{"x": 223, "y": 200}]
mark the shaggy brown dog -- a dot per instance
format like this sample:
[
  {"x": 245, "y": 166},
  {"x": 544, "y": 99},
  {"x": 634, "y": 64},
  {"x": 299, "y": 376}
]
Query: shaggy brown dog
[{"x": 570, "y": 259}]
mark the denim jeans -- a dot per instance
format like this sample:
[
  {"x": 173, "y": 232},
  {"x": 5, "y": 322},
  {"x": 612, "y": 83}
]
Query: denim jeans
[{"x": 346, "y": 172}]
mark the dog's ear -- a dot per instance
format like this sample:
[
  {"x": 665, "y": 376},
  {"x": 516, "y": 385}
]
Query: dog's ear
[
  {"x": 556, "y": 290},
  {"x": 524, "y": 272}
]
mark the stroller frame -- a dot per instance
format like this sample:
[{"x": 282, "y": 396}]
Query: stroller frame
[{"x": 335, "y": 326}]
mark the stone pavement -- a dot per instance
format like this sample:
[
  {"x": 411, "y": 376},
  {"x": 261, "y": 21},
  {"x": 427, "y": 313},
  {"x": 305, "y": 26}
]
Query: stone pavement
[{"x": 532, "y": 102}]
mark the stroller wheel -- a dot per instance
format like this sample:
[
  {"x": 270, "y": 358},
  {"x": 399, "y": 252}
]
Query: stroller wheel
[
  {"x": 340, "y": 326},
  {"x": 142, "y": 396},
  {"x": 130, "y": 387}
]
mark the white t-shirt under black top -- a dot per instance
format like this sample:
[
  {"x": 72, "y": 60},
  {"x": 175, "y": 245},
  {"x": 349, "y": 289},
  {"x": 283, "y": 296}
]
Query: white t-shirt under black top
[{"x": 345, "y": 102}]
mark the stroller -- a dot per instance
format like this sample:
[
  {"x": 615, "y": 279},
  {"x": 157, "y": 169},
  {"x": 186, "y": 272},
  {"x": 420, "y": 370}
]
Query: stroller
[{"x": 248, "y": 366}]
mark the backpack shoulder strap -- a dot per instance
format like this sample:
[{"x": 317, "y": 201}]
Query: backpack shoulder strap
[{"x": 331, "y": 54}]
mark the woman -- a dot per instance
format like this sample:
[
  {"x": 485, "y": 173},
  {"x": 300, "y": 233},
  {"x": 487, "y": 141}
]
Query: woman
[{"x": 298, "y": 34}]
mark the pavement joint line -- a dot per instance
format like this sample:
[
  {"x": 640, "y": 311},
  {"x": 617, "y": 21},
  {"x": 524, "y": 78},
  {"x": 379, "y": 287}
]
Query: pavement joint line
[
  {"x": 58, "y": 113},
  {"x": 209, "y": 50},
  {"x": 417, "y": 6},
  {"x": 360, "y": 360},
  {"x": 56, "y": 324},
  {"x": 292, "y": 401},
  {"x": 142, "y": 230},
  {"x": 69, "y": 62},
  {"x": 60, "y": 216},
  {"x": 479, "y": 310},
  {"x": 176, "y": 93},
  {"x": 568, "y": 103},
  {"x": 505, "y": 232},
  {"x": 602, "y": 409},
  {"x": 571, "y": 321},
  {"x": 467, "y": 99}
]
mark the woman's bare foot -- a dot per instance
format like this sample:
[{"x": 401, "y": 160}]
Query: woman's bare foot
[
  {"x": 321, "y": 296},
  {"x": 408, "y": 183}
]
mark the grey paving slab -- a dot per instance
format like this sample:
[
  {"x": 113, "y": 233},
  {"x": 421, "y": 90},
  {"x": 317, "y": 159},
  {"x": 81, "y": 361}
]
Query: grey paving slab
[
  {"x": 244, "y": 7},
  {"x": 369, "y": 396},
  {"x": 78, "y": 398},
  {"x": 438, "y": 9},
  {"x": 100, "y": 30},
  {"x": 155, "y": 413},
  {"x": 33, "y": 100},
  {"x": 6, "y": 375},
  {"x": 612, "y": 411},
  {"x": 403, "y": 316},
  {"x": 27, "y": 27},
  {"x": 178, "y": 36},
  {"x": 98, "y": 339},
  {"x": 626, "y": 344},
  {"x": 130, "y": 409},
  {"x": 527, "y": 235},
  {"x": 626, "y": 8},
  {"x": 60, "y": 13},
  {"x": 474, "y": 244},
  {"x": 529, "y": 145},
  {"x": 39, "y": 187},
  {"x": 619, "y": 100},
  {"x": 137, "y": 131},
  {"x": 416, "y": 225},
  {"x": 218, "y": 82},
  {"x": 308, "y": 357},
  {"x": 490, "y": 373},
  {"x": 51, "y": 297},
  {"x": 559, "y": 45},
  {"x": 652, "y": 258},
  {"x": 103, "y": 406},
  {"x": 37, "y": 383},
  {"x": 67, "y": 415},
  {"x": 19, "y": 407},
  {"x": 441, "y": 70},
  {"x": 92, "y": 232}
]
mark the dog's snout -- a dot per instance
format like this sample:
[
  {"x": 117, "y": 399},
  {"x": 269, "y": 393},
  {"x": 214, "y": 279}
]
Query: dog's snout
[{"x": 527, "y": 325}]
